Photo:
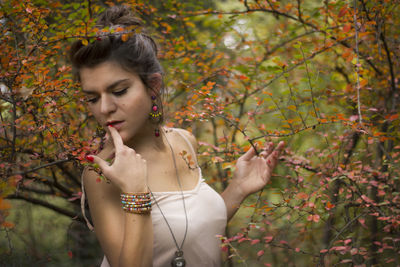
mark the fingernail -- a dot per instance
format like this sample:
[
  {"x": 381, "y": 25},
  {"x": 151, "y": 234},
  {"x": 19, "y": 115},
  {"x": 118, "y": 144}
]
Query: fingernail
[
  {"x": 89, "y": 158},
  {"x": 110, "y": 125}
]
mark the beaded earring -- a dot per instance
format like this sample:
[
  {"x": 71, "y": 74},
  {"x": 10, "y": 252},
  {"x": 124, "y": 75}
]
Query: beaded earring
[{"x": 155, "y": 114}]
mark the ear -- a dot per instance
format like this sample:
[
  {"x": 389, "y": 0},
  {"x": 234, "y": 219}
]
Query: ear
[{"x": 155, "y": 82}]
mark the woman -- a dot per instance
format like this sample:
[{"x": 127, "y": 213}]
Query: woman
[{"x": 154, "y": 209}]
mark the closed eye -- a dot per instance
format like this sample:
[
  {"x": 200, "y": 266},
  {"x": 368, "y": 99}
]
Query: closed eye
[
  {"x": 92, "y": 100},
  {"x": 118, "y": 93}
]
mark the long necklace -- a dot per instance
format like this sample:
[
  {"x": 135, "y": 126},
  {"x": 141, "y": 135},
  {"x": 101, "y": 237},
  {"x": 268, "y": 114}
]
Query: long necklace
[{"x": 178, "y": 260}]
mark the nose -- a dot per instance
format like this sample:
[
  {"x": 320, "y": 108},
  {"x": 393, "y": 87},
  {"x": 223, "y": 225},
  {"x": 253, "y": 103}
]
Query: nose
[{"x": 107, "y": 104}]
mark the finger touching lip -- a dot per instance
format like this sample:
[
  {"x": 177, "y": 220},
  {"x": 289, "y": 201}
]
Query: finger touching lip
[{"x": 116, "y": 124}]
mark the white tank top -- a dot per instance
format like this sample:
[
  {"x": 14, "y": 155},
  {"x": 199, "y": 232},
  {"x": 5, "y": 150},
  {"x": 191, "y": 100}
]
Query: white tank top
[{"x": 207, "y": 218}]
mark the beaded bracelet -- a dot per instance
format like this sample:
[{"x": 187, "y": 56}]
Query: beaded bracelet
[
  {"x": 134, "y": 205},
  {"x": 138, "y": 210},
  {"x": 138, "y": 203}
]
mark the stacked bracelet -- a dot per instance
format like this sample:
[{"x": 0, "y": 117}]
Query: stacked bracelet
[{"x": 139, "y": 203}]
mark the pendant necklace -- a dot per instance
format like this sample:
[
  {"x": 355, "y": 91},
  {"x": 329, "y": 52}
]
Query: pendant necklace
[{"x": 178, "y": 260}]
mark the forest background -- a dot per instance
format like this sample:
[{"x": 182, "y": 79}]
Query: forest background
[{"x": 321, "y": 75}]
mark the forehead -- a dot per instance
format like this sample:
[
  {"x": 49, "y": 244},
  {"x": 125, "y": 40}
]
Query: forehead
[{"x": 103, "y": 75}]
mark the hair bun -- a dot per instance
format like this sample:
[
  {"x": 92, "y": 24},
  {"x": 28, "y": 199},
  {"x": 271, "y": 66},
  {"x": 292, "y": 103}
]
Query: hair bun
[{"x": 118, "y": 15}]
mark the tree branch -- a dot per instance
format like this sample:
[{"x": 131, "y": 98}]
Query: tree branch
[{"x": 68, "y": 213}]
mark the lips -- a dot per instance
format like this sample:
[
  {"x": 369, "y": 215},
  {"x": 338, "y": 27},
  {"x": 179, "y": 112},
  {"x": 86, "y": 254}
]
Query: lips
[{"x": 116, "y": 124}]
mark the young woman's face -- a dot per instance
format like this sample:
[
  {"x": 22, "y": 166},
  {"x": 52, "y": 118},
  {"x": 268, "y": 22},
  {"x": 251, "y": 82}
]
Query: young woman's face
[{"x": 118, "y": 97}]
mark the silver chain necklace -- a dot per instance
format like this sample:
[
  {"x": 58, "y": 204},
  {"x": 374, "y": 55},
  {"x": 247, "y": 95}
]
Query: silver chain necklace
[{"x": 178, "y": 260}]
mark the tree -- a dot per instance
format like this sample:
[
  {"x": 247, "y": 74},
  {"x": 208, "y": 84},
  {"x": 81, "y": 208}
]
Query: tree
[{"x": 321, "y": 75}]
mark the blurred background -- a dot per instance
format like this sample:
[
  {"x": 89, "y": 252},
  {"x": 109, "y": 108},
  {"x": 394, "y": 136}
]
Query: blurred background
[{"x": 320, "y": 75}]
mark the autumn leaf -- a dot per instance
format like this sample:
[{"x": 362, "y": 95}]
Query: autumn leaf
[{"x": 343, "y": 11}]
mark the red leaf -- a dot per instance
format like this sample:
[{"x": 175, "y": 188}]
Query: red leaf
[
  {"x": 302, "y": 195},
  {"x": 314, "y": 218},
  {"x": 338, "y": 248},
  {"x": 242, "y": 239},
  {"x": 366, "y": 199},
  {"x": 342, "y": 11},
  {"x": 347, "y": 27},
  {"x": 268, "y": 238}
]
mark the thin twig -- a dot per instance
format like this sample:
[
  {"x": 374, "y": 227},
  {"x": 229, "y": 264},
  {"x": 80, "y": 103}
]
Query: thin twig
[{"x": 357, "y": 65}]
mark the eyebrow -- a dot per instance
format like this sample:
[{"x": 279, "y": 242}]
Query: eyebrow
[{"x": 109, "y": 87}]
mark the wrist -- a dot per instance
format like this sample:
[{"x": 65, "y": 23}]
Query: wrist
[
  {"x": 134, "y": 188},
  {"x": 235, "y": 189},
  {"x": 138, "y": 203}
]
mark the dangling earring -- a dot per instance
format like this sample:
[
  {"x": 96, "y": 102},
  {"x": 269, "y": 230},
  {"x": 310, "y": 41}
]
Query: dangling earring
[{"x": 155, "y": 114}]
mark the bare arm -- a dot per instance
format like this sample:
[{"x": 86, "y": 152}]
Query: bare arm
[
  {"x": 252, "y": 174},
  {"x": 126, "y": 238}
]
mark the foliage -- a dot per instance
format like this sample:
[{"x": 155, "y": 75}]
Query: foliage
[{"x": 321, "y": 75}]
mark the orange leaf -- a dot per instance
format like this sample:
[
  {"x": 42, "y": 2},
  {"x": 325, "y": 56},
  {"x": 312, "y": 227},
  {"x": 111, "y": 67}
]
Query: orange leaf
[
  {"x": 329, "y": 205},
  {"x": 7, "y": 224},
  {"x": 391, "y": 117},
  {"x": 4, "y": 205},
  {"x": 124, "y": 37}
]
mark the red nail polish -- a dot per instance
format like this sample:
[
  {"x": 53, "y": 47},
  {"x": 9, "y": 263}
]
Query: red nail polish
[
  {"x": 110, "y": 125},
  {"x": 90, "y": 158}
]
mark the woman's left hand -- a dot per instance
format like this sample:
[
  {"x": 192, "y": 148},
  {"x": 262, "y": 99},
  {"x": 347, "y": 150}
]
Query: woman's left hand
[{"x": 254, "y": 172}]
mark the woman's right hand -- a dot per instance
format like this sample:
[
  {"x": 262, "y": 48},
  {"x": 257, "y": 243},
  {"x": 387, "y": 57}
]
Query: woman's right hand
[{"x": 128, "y": 172}]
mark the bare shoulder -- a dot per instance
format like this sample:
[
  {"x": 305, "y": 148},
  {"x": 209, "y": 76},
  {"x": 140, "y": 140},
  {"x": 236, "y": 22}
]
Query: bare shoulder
[
  {"x": 103, "y": 198},
  {"x": 189, "y": 136},
  {"x": 91, "y": 177}
]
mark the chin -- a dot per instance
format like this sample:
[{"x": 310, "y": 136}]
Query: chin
[{"x": 126, "y": 137}]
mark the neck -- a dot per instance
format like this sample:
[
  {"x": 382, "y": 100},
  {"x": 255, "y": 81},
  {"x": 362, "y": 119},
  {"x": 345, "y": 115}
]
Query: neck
[{"x": 146, "y": 140}]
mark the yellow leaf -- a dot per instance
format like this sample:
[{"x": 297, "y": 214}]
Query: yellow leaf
[
  {"x": 226, "y": 165},
  {"x": 190, "y": 24}
]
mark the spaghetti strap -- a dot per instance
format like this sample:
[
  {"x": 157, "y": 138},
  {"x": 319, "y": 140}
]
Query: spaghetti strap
[
  {"x": 83, "y": 196},
  {"x": 89, "y": 225}
]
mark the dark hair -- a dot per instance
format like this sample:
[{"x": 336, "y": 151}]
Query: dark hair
[{"x": 138, "y": 53}]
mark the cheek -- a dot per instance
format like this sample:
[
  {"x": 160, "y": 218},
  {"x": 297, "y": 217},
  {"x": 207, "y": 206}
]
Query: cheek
[{"x": 94, "y": 111}]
